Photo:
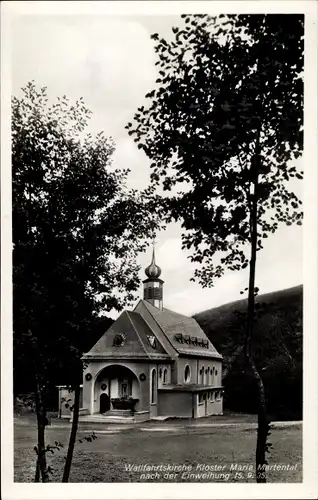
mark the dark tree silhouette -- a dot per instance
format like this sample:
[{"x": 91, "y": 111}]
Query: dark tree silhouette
[
  {"x": 76, "y": 232},
  {"x": 225, "y": 125}
]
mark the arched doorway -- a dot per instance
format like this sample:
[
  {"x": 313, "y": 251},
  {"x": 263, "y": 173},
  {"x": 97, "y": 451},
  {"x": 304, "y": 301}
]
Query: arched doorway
[
  {"x": 114, "y": 385},
  {"x": 104, "y": 403}
]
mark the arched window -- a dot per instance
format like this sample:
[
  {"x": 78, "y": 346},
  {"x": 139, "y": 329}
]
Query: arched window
[
  {"x": 165, "y": 372},
  {"x": 212, "y": 375},
  {"x": 202, "y": 375},
  {"x": 187, "y": 374},
  {"x": 153, "y": 387}
]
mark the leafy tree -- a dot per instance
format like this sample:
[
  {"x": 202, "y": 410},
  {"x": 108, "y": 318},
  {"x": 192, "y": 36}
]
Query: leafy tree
[
  {"x": 225, "y": 124},
  {"x": 77, "y": 230}
]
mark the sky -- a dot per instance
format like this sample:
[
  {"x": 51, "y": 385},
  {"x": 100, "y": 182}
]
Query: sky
[{"x": 110, "y": 62}]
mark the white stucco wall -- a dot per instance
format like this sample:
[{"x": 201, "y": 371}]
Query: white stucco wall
[
  {"x": 92, "y": 391},
  {"x": 181, "y": 365},
  {"x": 142, "y": 389},
  {"x": 161, "y": 368},
  {"x": 210, "y": 406},
  {"x": 176, "y": 404},
  {"x": 213, "y": 377}
]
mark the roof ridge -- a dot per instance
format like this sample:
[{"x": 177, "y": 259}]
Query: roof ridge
[
  {"x": 135, "y": 329},
  {"x": 179, "y": 314},
  {"x": 166, "y": 336},
  {"x": 166, "y": 309}
]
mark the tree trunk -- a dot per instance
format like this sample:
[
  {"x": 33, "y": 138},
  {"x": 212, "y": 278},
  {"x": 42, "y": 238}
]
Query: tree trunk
[
  {"x": 263, "y": 424},
  {"x": 37, "y": 471},
  {"x": 41, "y": 469},
  {"x": 71, "y": 444},
  {"x": 37, "y": 409}
]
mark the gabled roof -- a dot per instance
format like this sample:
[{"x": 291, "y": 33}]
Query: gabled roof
[
  {"x": 139, "y": 340},
  {"x": 173, "y": 324},
  {"x": 151, "y": 333}
]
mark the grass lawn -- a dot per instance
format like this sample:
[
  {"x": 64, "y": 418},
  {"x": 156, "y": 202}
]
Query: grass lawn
[{"x": 106, "y": 458}]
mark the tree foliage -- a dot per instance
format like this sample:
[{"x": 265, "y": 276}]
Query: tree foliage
[
  {"x": 77, "y": 230},
  {"x": 229, "y": 90},
  {"x": 226, "y": 120},
  {"x": 76, "y": 227}
]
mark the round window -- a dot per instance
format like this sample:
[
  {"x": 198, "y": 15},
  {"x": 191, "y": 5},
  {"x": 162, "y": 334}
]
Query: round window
[
  {"x": 187, "y": 373},
  {"x": 119, "y": 340}
]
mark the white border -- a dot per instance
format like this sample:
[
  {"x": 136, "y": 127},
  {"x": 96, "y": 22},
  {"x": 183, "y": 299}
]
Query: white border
[{"x": 308, "y": 489}]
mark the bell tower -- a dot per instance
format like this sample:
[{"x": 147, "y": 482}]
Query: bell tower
[{"x": 153, "y": 284}]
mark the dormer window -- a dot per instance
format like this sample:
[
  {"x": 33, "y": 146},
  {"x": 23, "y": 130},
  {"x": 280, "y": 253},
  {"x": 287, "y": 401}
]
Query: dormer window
[
  {"x": 195, "y": 341},
  {"x": 119, "y": 340}
]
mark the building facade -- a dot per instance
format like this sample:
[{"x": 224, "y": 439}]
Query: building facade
[{"x": 152, "y": 362}]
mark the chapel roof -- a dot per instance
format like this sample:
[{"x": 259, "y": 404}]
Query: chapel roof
[
  {"x": 152, "y": 333},
  {"x": 128, "y": 337},
  {"x": 183, "y": 332}
]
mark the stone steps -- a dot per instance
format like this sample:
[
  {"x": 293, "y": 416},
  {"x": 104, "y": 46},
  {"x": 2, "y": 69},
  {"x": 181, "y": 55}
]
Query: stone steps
[
  {"x": 109, "y": 419},
  {"x": 116, "y": 416},
  {"x": 118, "y": 413}
]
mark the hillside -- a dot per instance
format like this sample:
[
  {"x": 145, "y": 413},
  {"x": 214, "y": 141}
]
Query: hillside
[{"x": 277, "y": 347}]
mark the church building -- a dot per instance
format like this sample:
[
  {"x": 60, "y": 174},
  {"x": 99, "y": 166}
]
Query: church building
[{"x": 151, "y": 363}]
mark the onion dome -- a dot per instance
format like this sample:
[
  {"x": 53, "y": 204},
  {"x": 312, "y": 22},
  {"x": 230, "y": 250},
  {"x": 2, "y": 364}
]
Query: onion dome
[{"x": 153, "y": 271}]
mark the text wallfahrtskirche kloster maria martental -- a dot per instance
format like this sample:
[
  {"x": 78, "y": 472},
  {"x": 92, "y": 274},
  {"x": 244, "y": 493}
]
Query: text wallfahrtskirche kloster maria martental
[{"x": 206, "y": 467}]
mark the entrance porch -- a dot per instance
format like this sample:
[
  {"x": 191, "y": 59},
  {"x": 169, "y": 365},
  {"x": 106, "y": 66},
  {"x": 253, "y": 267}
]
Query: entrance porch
[{"x": 116, "y": 392}]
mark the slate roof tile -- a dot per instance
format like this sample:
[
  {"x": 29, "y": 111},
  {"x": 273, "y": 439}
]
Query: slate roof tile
[
  {"x": 173, "y": 323},
  {"x": 140, "y": 341},
  {"x": 136, "y": 343}
]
